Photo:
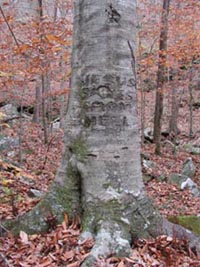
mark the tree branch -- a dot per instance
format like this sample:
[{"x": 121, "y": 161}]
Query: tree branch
[
  {"x": 11, "y": 31},
  {"x": 5, "y": 260}
]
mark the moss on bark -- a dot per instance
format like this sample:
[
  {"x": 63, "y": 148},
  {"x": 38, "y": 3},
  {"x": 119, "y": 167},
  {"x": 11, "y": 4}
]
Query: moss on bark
[
  {"x": 79, "y": 149},
  {"x": 61, "y": 198}
]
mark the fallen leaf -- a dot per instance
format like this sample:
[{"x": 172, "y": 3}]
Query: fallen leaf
[
  {"x": 68, "y": 255},
  {"x": 121, "y": 264},
  {"x": 24, "y": 264},
  {"x": 46, "y": 262},
  {"x": 24, "y": 237},
  {"x": 74, "y": 264}
]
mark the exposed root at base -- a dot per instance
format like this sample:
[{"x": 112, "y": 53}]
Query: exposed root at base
[
  {"x": 178, "y": 231},
  {"x": 110, "y": 240}
]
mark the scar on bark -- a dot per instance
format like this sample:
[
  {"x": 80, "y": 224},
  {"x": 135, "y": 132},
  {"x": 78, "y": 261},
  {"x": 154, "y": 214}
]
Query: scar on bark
[
  {"x": 133, "y": 62},
  {"x": 113, "y": 14},
  {"x": 91, "y": 155}
]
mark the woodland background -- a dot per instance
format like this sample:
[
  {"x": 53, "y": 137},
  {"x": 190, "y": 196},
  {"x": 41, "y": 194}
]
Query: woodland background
[{"x": 35, "y": 51}]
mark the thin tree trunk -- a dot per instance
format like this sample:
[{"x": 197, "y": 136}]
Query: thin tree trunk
[
  {"x": 63, "y": 98},
  {"x": 175, "y": 73},
  {"x": 44, "y": 119},
  {"x": 43, "y": 80},
  {"x": 161, "y": 77},
  {"x": 143, "y": 106},
  {"x": 21, "y": 130},
  {"x": 37, "y": 106},
  {"x": 142, "y": 93},
  {"x": 191, "y": 103},
  {"x": 173, "y": 123}
]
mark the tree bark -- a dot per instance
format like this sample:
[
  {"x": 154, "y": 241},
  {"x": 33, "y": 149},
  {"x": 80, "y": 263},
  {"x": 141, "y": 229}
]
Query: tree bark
[
  {"x": 161, "y": 77},
  {"x": 173, "y": 122},
  {"x": 100, "y": 174},
  {"x": 190, "y": 88},
  {"x": 37, "y": 105}
]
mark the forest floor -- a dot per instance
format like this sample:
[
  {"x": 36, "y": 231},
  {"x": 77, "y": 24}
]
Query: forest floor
[{"x": 60, "y": 246}]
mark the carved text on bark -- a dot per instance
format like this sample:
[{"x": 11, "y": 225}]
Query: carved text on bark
[{"x": 105, "y": 101}]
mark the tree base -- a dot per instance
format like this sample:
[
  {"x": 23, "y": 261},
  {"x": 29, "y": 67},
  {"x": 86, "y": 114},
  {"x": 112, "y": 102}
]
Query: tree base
[{"x": 112, "y": 238}]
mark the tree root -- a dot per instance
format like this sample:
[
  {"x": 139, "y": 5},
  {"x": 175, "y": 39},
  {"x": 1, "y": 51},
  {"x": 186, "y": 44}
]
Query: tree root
[
  {"x": 110, "y": 240},
  {"x": 112, "y": 236},
  {"x": 179, "y": 232}
]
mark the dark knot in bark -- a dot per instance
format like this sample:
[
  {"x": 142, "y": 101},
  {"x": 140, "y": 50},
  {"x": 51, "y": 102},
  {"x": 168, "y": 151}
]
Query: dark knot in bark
[{"x": 113, "y": 14}]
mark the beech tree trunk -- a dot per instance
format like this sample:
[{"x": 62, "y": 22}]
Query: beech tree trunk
[{"x": 100, "y": 174}]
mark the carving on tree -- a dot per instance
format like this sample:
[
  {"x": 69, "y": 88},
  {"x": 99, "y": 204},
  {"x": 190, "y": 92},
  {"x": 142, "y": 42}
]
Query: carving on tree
[{"x": 104, "y": 102}]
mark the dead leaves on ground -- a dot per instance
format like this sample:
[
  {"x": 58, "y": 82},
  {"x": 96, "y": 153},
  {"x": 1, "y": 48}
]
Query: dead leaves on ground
[
  {"x": 163, "y": 251},
  {"x": 15, "y": 184},
  {"x": 60, "y": 248},
  {"x": 38, "y": 171},
  {"x": 172, "y": 201}
]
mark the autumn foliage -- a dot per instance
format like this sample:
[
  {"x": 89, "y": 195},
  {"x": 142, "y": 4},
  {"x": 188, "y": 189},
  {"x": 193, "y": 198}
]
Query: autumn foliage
[{"x": 35, "y": 73}]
